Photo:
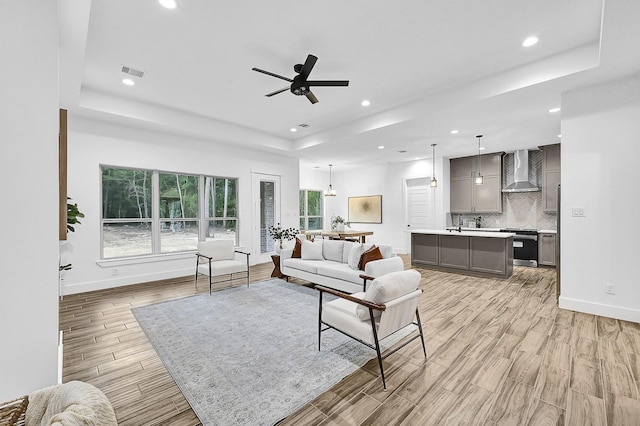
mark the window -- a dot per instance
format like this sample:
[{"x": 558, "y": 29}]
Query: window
[
  {"x": 148, "y": 212},
  {"x": 126, "y": 212},
  {"x": 179, "y": 225},
  {"x": 220, "y": 198},
  {"x": 310, "y": 209}
]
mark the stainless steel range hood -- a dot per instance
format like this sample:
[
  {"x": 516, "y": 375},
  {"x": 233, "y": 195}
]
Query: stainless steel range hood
[{"x": 521, "y": 174}]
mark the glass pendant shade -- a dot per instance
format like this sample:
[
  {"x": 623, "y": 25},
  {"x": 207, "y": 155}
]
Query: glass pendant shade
[
  {"x": 479, "y": 179},
  {"x": 330, "y": 192}
]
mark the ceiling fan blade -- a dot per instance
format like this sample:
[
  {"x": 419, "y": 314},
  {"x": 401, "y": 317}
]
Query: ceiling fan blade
[
  {"x": 272, "y": 74},
  {"x": 277, "y": 91},
  {"x": 328, "y": 83},
  {"x": 312, "y": 97},
  {"x": 308, "y": 66}
]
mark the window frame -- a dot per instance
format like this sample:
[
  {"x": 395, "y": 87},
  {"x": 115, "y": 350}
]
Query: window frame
[
  {"x": 306, "y": 214},
  {"x": 155, "y": 221}
]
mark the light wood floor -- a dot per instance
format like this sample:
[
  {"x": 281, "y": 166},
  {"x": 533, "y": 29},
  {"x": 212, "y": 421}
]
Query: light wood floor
[{"x": 500, "y": 352}]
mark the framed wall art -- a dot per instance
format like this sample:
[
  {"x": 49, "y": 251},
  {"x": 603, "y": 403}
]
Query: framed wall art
[{"x": 366, "y": 209}]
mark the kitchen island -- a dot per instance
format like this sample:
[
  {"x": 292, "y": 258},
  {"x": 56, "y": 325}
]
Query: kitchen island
[{"x": 482, "y": 253}]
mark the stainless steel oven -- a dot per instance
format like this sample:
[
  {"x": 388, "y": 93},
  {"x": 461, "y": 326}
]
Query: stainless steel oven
[{"x": 525, "y": 246}]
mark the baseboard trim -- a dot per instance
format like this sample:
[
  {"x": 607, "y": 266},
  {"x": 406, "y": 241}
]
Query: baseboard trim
[
  {"x": 609, "y": 311},
  {"x": 123, "y": 281}
]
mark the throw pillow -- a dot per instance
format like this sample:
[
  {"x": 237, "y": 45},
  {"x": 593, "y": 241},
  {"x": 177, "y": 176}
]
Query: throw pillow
[
  {"x": 312, "y": 250},
  {"x": 372, "y": 254},
  {"x": 354, "y": 256},
  {"x": 386, "y": 250},
  {"x": 297, "y": 249},
  {"x": 389, "y": 287}
]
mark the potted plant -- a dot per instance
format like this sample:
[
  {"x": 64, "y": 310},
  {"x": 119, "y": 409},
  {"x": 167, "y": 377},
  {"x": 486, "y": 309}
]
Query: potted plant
[
  {"x": 338, "y": 223},
  {"x": 279, "y": 233},
  {"x": 73, "y": 215}
]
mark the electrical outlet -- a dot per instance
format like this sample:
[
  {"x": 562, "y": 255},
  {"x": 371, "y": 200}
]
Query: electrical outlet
[
  {"x": 609, "y": 288},
  {"x": 114, "y": 272},
  {"x": 577, "y": 212}
]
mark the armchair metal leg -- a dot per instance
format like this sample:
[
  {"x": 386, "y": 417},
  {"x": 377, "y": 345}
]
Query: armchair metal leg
[
  {"x": 320, "y": 321},
  {"x": 424, "y": 348},
  {"x": 375, "y": 338},
  {"x": 248, "y": 270}
]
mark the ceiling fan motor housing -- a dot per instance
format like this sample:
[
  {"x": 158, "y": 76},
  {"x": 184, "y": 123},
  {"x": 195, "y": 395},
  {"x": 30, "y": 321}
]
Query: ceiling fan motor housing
[{"x": 299, "y": 86}]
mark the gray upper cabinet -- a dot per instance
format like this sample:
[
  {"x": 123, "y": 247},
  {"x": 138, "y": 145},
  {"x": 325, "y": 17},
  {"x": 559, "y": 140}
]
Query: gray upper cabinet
[
  {"x": 550, "y": 176},
  {"x": 466, "y": 196}
]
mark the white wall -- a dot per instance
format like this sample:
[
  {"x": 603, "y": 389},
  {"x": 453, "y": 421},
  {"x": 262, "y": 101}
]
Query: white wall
[
  {"x": 389, "y": 181},
  {"x": 29, "y": 213},
  {"x": 600, "y": 157},
  {"x": 92, "y": 143}
]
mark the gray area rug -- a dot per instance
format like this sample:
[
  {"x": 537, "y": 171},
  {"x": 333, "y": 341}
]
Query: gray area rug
[{"x": 249, "y": 356}]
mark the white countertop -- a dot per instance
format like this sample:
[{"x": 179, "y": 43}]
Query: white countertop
[
  {"x": 465, "y": 228},
  {"x": 547, "y": 231},
  {"x": 487, "y": 234}
]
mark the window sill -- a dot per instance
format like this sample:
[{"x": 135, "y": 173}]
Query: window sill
[
  {"x": 151, "y": 258},
  {"x": 136, "y": 260}
]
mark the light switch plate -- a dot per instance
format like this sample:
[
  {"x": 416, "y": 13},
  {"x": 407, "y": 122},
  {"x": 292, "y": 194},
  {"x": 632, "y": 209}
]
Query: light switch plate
[{"x": 577, "y": 212}]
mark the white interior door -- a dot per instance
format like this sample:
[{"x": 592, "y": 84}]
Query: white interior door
[
  {"x": 266, "y": 213},
  {"x": 419, "y": 206}
]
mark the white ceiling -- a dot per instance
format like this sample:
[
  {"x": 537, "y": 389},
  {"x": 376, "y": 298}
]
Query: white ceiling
[{"x": 426, "y": 66}]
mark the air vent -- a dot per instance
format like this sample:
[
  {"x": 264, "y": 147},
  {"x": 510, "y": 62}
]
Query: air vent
[
  {"x": 133, "y": 72},
  {"x": 402, "y": 151},
  {"x": 303, "y": 125}
]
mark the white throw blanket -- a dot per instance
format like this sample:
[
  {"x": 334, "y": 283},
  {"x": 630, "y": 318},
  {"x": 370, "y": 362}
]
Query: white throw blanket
[{"x": 70, "y": 404}]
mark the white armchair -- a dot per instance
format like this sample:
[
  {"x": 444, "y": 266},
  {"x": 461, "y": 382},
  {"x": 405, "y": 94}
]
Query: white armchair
[
  {"x": 387, "y": 306},
  {"x": 217, "y": 258}
]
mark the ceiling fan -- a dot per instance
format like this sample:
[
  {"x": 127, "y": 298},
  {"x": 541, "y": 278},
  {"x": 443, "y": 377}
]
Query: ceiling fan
[{"x": 299, "y": 84}]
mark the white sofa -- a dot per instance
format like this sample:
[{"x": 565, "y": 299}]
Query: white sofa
[{"x": 332, "y": 269}]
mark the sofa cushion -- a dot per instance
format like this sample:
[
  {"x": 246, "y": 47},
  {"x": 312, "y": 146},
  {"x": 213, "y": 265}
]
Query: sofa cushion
[
  {"x": 386, "y": 250},
  {"x": 370, "y": 255},
  {"x": 339, "y": 271},
  {"x": 354, "y": 256},
  {"x": 302, "y": 265},
  {"x": 346, "y": 250},
  {"x": 332, "y": 250},
  {"x": 312, "y": 250},
  {"x": 389, "y": 287}
]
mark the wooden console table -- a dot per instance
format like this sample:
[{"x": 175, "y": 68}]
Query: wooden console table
[{"x": 341, "y": 235}]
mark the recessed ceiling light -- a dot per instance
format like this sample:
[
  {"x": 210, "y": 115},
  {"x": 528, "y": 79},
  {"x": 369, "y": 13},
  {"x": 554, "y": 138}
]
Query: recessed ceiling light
[
  {"x": 128, "y": 82},
  {"x": 417, "y": 158},
  {"x": 380, "y": 146},
  {"x": 559, "y": 136},
  {"x": 169, "y": 4},
  {"x": 455, "y": 132},
  {"x": 556, "y": 109},
  {"x": 293, "y": 129},
  {"x": 530, "y": 41},
  {"x": 365, "y": 103}
]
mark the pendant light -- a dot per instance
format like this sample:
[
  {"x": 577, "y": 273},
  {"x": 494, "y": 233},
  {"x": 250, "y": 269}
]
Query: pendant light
[
  {"x": 330, "y": 192},
  {"x": 479, "y": 178},
  {"x": 434, "y": 182}
]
